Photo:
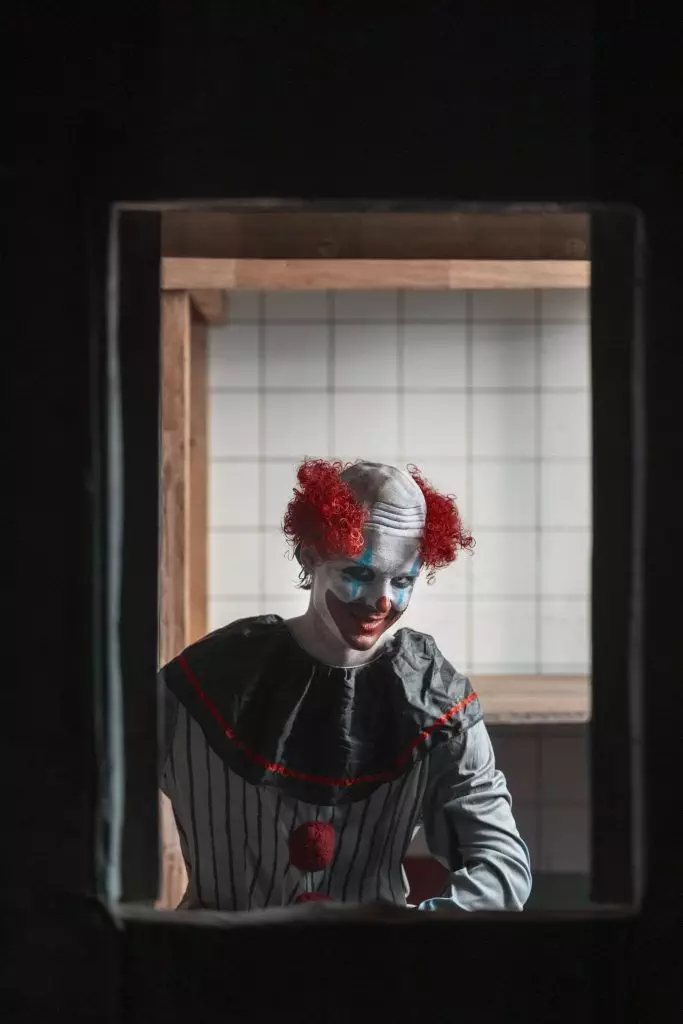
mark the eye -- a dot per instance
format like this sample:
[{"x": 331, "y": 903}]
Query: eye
[
  {"x": 403, "y": 582},
  {"x": 359, "y": 574}
]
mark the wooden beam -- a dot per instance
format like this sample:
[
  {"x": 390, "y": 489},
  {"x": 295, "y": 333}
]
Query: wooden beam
[
  {"x": 311, "y": 235},
  {"x": 209, "y": 305},
  {"x": 175, "y": 433},
  {"x": 198, "y": 486},
  {"x": 541, "y": 698},
  {"x": 370, "y": 275}
]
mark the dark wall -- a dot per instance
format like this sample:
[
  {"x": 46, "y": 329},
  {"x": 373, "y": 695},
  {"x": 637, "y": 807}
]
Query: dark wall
[{"x": 204, "y": 103}]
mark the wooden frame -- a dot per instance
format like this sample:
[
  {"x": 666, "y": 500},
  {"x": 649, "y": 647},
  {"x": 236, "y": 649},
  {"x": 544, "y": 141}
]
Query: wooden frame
[
  {"x": 371, "y": 275},
  {"x": 273, "y": 233}
]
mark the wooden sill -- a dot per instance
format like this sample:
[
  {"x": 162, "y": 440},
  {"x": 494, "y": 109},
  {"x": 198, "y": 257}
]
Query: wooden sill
[{"x": 528, "y": 699}]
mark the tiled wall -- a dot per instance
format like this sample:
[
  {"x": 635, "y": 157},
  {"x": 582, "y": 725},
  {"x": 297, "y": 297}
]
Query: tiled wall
[{"x": 487, "y": 392}]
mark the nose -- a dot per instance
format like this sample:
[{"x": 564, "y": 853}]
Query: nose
[{"x": 383, "y": 605}]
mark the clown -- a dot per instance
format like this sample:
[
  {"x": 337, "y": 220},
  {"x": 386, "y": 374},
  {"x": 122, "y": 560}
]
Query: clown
[{"x": 303, "y": 755}]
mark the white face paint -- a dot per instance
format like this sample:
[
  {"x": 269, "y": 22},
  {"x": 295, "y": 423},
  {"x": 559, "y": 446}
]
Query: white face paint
[{"x": 357, "y": 600}]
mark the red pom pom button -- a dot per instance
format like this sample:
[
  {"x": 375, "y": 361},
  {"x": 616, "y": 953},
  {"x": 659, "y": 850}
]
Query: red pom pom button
[
  {"x": 312, "y": 897},
  {"x": 311, "y": 846}
]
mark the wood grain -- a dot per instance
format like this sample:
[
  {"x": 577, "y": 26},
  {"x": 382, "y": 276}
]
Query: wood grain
[
  {"x": 198, "y": 486},
  {"x": 371, "y": 275},
  {"x": 209, "y": 305},
  {"x": 175, "y": 431},
  {"x": 174, "y": 618},
  {"x": 218, "y": 234},
  {"x": 534, "y": 698}
]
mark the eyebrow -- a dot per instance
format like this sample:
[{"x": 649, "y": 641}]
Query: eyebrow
[{"x": 368, "y": 568}]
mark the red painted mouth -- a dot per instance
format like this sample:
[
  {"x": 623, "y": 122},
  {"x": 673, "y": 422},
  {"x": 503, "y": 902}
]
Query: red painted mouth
[{"x": 360, "y": 625}]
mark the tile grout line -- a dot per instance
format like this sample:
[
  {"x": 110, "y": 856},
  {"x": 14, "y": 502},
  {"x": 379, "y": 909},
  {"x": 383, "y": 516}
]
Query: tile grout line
[
  {"x": 330, "y": 302},
  {"x": 400, "y": 376},
  {"x": 262, "y": 461},
  {"x": 538, "y": 476},
  {"x": 469, "y": 474}
]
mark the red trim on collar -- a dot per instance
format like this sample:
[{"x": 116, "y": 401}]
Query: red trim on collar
[{"x": 280, "y": 769}]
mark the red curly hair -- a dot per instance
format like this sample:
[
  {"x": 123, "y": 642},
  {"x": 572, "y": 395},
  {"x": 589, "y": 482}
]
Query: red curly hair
[
  {"x": 325, "y": 515},
  {"x": 444, "y": 534}
]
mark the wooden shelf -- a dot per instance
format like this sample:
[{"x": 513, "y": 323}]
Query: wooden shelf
[{"x": 524, "y": 699}]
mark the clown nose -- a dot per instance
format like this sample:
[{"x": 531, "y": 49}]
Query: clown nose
[{"x": 383, "y": 605}]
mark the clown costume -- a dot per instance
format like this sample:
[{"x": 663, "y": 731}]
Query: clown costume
[{"x": 302, "y": 756}]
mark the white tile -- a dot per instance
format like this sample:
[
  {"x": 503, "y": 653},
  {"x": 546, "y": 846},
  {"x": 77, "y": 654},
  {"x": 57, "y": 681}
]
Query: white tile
[
  {"x": 365, "y": 426},
  {"x": 221, "y": 612},
  {"x": 366, "y": 356},
  {"x": 503, "y": 494},
  {"x": 296, "y": 306},
  {"x": 565, "y": 356},
  {"x": 384, "y": 458},
  {"x": 296, "y": 423},
  {"x": 450, "y": 305},
  {"x": 224, "y": 611},
  {"x": 243, "y": 306},
  {"x": 566, "y": 494},
  {"x": 566, "y": 563},
  {"x": 434, "y": 356},
  {"x": 434, "y": 426},
  {"x": 452, "y": 580},
  {"x": 443, "y": 620},
  {"x": 503, "y": 304},
  {"x": 280, "y": 481},
  {"x": 504, "y": 564},
  {"x": 564, "y": 769},
  {"x": 503, "y": 425},
  {"x": 565, "y": 839},
  {"x": 565, "y": 637},
  {"x": 448, "y": 477},
  {"x": 233, "y": 356},
  {"x": 503, "y": 355},
  {"x": 281, "y": 568},
  {"x": 233, "y": 425},
  {"x": 565, "y": 304},
  {"x": 233, "y": 494},
  {"x": 565, "y": 425},
  {"x": 504, "y": 634},
  {"x": 234, "y": 562},
  {"x": 518, "y": 759},
  {"x": 288, "y": 607},
  {"x": 296, "y": 355},
  {"x": 366, "y": 305}
]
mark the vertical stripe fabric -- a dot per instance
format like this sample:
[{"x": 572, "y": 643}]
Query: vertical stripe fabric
[{"x": 235, "y": 837}]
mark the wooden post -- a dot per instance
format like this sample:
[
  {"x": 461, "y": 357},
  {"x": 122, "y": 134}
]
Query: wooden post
[
  {"x": 175, "y": 539},
  {"x": 183, "y": 569},
  {"x": 175, "y": 475},
  {"x": 198, "y": 485}
]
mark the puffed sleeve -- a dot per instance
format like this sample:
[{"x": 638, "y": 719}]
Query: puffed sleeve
[{"x": 469, "y": 827}]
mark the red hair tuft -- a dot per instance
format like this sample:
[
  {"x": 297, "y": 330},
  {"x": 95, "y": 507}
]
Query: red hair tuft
[
  {"x": 444, "y": 534},
  {"x": 324, "y": 513}
]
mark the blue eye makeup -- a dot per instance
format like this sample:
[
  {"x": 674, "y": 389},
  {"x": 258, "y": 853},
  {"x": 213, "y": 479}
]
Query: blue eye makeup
[
  {"x": 403, "y": 582},
  {"x": 359, "y": 574}
]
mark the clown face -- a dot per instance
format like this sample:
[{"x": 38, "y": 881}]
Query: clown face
[{"x": 358, "y": 600}]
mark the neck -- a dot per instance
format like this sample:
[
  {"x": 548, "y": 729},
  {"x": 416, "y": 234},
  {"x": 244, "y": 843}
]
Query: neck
[{"x": 311, "y": 633}]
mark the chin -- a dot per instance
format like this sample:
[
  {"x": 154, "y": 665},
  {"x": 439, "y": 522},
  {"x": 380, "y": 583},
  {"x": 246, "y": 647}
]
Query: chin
[{"x": 363, "y": 643}]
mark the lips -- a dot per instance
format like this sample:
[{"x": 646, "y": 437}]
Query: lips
[{"x": 356, "y": 622}]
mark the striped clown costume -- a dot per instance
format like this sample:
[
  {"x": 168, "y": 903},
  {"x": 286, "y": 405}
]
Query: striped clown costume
[{"x": 301, "y": 756}]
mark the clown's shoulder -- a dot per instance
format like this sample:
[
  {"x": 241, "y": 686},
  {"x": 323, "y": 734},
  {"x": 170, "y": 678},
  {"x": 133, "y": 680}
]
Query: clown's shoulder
[
  {"x": 436, "y": 683},
  {"x": 251, "y": 637},
  {"x": 241, "y": 650}
]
